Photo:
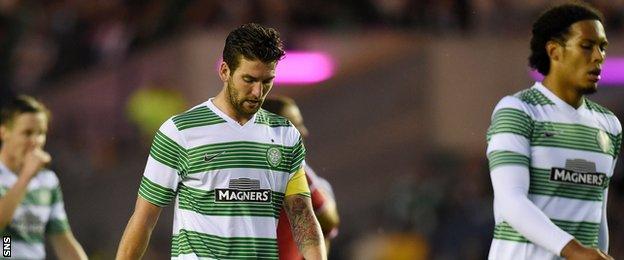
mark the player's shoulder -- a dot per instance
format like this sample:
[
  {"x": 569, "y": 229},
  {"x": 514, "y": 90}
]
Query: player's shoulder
[
  {"x": 605, "y": 113},
  {"x": 533, "y": 96},
  {"x": 595, "y": 107},
  {"x": 270, "y": 119},
  {"x": 197, "y": 116},
  {"x": 48, "y": 178},
  {"x": 525, "y": 100}
]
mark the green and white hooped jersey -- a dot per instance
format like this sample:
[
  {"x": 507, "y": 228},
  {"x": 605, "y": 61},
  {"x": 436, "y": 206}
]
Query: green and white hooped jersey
[
  {"x": 570, "y": 155},
  {"x": 228, "y": 181},
  {"x": 41, "y": 213}
]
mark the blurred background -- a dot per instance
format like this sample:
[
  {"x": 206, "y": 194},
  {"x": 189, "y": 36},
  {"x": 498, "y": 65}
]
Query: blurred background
[{"x": 398, "y": 127}]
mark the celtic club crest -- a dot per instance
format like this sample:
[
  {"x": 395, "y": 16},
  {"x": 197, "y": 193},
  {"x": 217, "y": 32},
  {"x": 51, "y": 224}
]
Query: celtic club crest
[{"x": 274, "y": 156}]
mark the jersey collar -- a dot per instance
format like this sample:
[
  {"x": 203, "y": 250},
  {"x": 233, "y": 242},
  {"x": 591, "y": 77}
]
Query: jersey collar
[{"x": 558, "y": 101}]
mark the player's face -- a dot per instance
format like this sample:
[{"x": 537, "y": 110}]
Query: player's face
[
  {"x": 294, "y": 115},
  {"x": 249, "y": 84},
  {"x": 26, "y": 132},
  {"x": 583, "y": 55}
]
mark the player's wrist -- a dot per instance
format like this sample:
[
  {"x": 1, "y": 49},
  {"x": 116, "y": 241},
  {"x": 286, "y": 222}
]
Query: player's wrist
[{"x": 572, "y": 248}]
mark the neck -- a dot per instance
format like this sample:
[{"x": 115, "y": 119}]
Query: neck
[
  {"x": 14, "y": 164},
  {"x": 222, "y": 102},
  {"x": 563, "y": 91}
]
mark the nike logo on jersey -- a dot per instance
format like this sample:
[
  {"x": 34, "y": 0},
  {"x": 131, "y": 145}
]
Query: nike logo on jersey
[
  {"x": 549, "y": 134},
  {"x": 210, "y": 157}
]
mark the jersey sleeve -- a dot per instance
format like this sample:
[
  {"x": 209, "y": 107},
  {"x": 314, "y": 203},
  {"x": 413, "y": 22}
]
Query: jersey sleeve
[
  {"x": 298, "y": 155},
  {"x": 166, "y": 163},
  {"x": 297, "y": 183},
  {"x": 57, "y": 223},
  {"x": 509, "y": 159}
]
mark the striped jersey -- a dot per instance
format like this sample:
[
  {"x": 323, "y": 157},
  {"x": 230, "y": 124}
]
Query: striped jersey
[
  {"x": 570, "y": 154},
  {"x": 40, "y": 213},
  {"x": 228, "y": 181}
]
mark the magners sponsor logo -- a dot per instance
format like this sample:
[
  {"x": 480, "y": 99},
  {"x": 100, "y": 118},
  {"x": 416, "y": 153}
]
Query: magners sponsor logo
[
  {"x": 594, "y": 179},
  {"x": 230, "y": 195},
  {"x": 243, "y": 190}
]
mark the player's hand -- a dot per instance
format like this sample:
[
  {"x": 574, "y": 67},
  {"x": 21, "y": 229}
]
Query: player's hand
[
  {"x": 576, "y": 251},
  {"x": 34, "y": 161}
]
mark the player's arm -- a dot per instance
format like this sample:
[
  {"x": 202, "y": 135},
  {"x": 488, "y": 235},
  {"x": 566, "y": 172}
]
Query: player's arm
[
  {"x": 603, "y": 232},
  {"x": 306, "y": 229},
  {"x": 10, "y": 201},
  {"x": 66, "y": 247},
  {"x": 157, "y": 189},
  {"x": 138, "y": 231}
]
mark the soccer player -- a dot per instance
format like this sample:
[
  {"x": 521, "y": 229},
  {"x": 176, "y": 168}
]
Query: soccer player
[
  {"x": 323, "y": 200},
  {"x": 551, "y": 150},
  {"x": 31, "y": 203},
  {"x": 230, "y": 166}
]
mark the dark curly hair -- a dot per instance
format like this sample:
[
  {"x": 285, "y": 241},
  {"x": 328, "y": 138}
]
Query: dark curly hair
[
  {"x": 554, "y": 24},
  {"x": 254, "y": 42}
]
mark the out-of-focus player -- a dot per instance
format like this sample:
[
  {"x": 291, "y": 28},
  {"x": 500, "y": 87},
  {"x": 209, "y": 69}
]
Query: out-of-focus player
[
  {"x": 31, "y": 202},
  {"x": 323, "y": 200},
  {"x": 551, "y": 150}
]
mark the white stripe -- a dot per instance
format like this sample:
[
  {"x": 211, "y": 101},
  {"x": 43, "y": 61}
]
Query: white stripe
[
  {"x": 223, "y": 133},
  {"x": 190, "y": 256},
  {"x": 510, "y": 250},
  {"x": 41, "y": 211},
  {"x": 224, "y": 226},
  {"x": 568, "y": 209},
  {"x": 274, "y": 180},
  {"x": 58, "y": 211},
  {"x": 511, "y": 102},
  {"x": 509, "y": 142},
  {"x": 161, "y": 174},
  {"x": 548, "y": 157},
  {"x": 22, "y": 250}
]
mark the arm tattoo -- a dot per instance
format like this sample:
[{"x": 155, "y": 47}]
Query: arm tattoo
[{"x": 302, "y": 222}]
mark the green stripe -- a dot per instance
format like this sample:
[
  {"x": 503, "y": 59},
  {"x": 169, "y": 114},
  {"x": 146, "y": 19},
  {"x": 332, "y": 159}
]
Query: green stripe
[
  {"x": 498, "y": 158},
  {"x": 541, "y": 185},
  {"x": 585, "y": 232},
  {"x": 298, "y": 155},
  {"x": 510, "y": 120},
  {"x": 57, "y": 226},
  {"x": 43, "y": 196},
  {"x": 534, "y": 97},
  {"x": 203, "y": 202},
  {"x": 155, "y": 193},
  {"x": 200, "y": 116},
  {"x": 168, "y": 152},
  {"x": 206, "y": 245},
  {"x": 573, "y": 136},
  {"x": 242, "y": 155},
  {"x": 267, "y": 118}
]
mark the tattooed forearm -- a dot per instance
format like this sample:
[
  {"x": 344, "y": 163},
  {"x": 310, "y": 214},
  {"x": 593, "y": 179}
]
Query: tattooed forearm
[{"x": 306, "y": 230}]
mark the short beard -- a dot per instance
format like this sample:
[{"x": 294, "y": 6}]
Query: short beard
[
  {"x": 237, "y": 104},
  {"x": 588, "y": 90}
]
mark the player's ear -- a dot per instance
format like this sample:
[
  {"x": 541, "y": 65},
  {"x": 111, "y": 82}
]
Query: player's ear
[
  {"x": 224, "y": 71},
  {"x": 554, "y": 49}
]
